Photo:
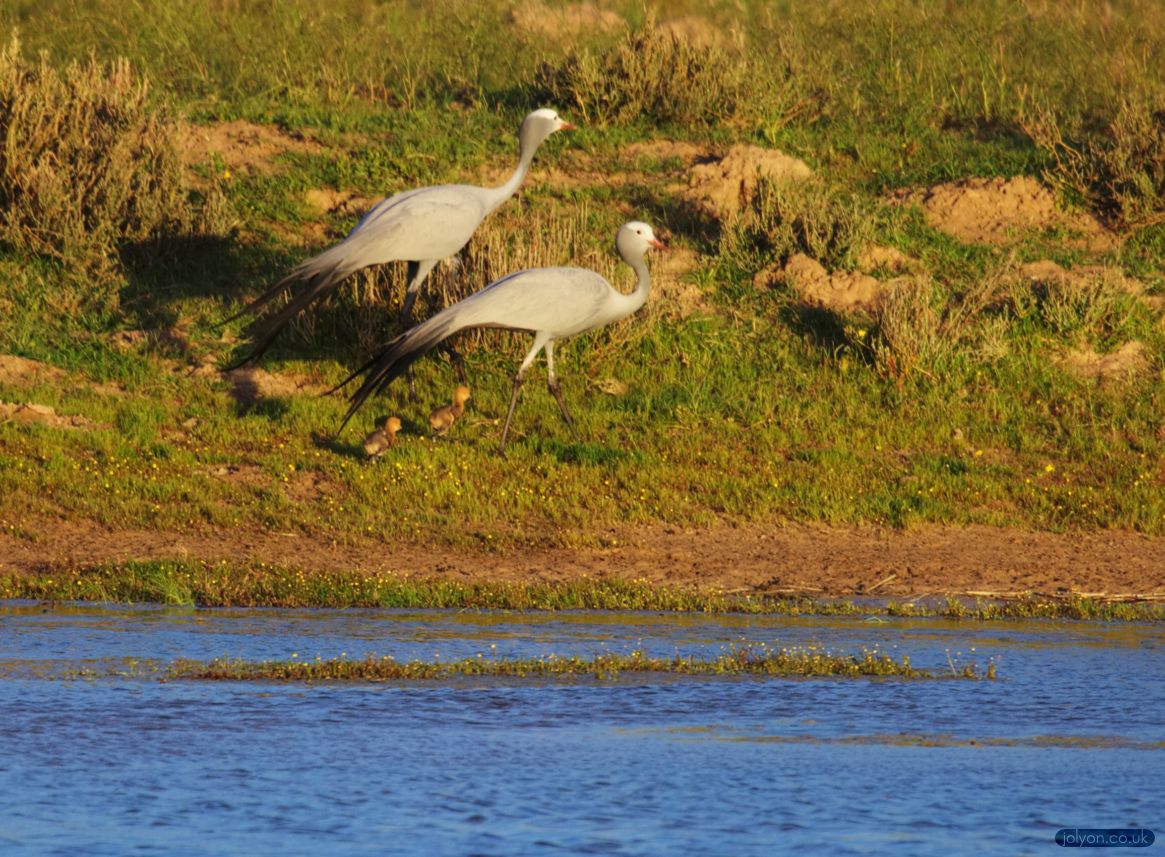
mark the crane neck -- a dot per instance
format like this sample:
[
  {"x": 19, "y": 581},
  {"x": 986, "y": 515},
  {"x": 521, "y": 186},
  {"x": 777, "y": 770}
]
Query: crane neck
[
  {"x": 638, "y": 297},
  {"x": 499, "y": 194}
]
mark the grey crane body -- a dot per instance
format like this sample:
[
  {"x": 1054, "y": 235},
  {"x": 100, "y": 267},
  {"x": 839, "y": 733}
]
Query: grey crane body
[
  {"x": 551, "y": 303},
  {"x": 421, "y": 226}
]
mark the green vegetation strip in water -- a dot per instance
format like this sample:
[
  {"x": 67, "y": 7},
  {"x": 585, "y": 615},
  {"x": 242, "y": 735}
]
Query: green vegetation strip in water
[
  {"x": 224, "y": 585},
  {"x": 741, "y": 661}
]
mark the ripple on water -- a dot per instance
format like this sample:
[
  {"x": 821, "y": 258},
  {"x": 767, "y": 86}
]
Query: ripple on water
[{"x": 1069, "y": 736}]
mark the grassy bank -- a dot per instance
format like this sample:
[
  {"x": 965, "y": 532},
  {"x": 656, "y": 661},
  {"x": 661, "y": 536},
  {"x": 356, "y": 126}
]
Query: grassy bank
[
  {"x": 224, "y": 585},
  {"x": 953, "y": 402}
]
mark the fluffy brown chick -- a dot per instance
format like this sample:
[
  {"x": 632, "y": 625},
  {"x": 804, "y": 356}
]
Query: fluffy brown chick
[
  {"x": 442, "y": 418},
  {"x": 381, "y": 439}
]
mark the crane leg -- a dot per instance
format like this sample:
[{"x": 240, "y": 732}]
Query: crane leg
[
  {"x": 416, "y": 275},
  {"x": 417, "y": 271},
  {"x": 557, "y": 392},
  {"x": 455, "y": 359},
  {"x": 518, "y": 380}
]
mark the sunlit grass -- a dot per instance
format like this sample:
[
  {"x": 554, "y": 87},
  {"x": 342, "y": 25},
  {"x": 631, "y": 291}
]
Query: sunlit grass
[{"x": 755, "y": 408}]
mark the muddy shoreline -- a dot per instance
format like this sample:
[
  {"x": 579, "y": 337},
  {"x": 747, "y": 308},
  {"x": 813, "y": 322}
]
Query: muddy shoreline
[{"x": 778, "y": 558}]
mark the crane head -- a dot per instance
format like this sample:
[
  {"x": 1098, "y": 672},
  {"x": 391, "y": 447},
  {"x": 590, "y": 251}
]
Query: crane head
[
  {"x": 539, "y": 125},
  {"x": 635, "y": 238}
]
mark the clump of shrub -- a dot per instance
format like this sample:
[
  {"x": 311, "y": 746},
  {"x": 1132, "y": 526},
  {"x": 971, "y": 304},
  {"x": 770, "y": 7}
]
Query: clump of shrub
[
  {"x": 1118, "y": 169},
  {"x": 787, "y": 216},
  {"x": 86, "y": 162},
  {"x": 653, "y": 75}
]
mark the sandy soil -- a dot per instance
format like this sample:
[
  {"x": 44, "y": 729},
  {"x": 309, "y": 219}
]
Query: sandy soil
[
  {"x": 781, "y": 558},
  {"x": 999, "y": 211}
]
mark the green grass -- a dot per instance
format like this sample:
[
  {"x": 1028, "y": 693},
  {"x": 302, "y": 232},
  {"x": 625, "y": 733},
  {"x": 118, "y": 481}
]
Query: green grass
[
  {"x": 232, "y": 585},
  {"x": 753, "y": 409}
]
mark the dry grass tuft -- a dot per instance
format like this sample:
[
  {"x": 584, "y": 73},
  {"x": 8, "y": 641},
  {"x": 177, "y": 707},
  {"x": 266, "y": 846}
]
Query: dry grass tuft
[
  {"x": 788, "y": 216},
  {"x": 653, "y": 73},
  {"x": 87, "y": 162},
  {"x": 1118, "y": 169}
]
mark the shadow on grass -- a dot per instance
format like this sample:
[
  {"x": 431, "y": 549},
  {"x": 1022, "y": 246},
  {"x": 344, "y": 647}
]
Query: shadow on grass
[
  {"x": 678, "y": 216},
  {"x": 819, "y": 326},
  {"x": 165, "y": 271},
  {"x": 580, "y": 453},
  {"x": 349, "y": 446},
  {"x": 270, "y": 408}
]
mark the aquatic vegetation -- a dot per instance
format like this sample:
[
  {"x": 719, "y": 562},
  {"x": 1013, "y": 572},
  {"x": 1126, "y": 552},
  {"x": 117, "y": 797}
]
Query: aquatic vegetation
[
  {"x": 741, "y": 661},
  {"x": 264, "y": 585}
]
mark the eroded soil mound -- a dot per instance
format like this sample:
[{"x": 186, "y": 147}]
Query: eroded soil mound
[
  {"x": 722, "y": 187},
  {"x": 1000, "y": 211}
]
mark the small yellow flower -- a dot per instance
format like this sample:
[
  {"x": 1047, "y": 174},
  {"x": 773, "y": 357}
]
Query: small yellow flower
[{"x": 1049, "y": 468}]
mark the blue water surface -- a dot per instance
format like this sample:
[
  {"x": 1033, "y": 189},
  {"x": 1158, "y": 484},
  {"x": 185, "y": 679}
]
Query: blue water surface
[{"x": 1071, "y": 735}]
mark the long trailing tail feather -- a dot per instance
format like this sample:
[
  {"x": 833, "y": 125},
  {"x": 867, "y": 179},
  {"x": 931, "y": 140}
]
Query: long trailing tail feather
[
  {"x": 271, "y": 294},
  {"x": 395, "y": 358},
  {"x": 319, "y": 277}
]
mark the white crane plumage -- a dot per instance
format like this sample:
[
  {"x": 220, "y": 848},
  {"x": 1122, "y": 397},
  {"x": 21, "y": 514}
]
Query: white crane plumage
[
  {"x": 421, "y": 226},
  {"x": 551, "y": 303}
]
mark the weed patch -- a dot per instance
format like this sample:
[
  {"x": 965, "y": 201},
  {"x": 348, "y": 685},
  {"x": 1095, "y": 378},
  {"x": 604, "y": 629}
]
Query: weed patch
[
  {"x": 1118, "y": 169},
  {"x": 653, "y": 74},
  {"x": 788, "y": 216},
  {"x": 88, "y": 162},
  {"x": 742, "y": 661}
]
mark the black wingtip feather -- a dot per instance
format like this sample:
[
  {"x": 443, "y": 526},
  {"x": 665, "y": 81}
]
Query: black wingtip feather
[{"x": 393, "y": 360}]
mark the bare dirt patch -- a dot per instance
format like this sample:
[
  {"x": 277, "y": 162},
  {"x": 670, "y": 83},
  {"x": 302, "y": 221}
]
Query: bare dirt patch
[
  {"x": 41, "y": 415},
  {"x": 1001, "y": 211},
  {"x": 723, "y": 186},
  {"x": 1127, "y": 361},
  {"x": 777, "y": 558},
  {"x": 250, "y": 383},
  {"x": 840, "y": 291},
  {"x": 694, "y": 30},
  {"x": 1048, "y": 272},
  {"x": 677, "y": 296},
  {"x": 343, "y": 202},
  {"x": 241, "y": 146},
  {"x": 22, "y": 372},
  {"x": 568, "y": 21}
]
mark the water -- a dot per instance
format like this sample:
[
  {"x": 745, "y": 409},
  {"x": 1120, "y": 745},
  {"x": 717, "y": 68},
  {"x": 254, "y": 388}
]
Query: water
[{"x": 1070, "y": 736}]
